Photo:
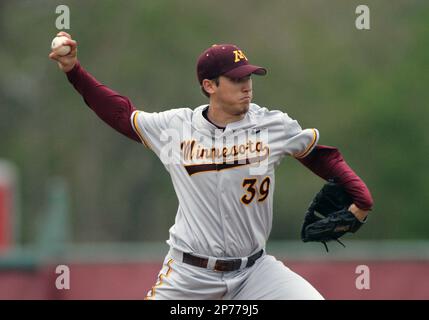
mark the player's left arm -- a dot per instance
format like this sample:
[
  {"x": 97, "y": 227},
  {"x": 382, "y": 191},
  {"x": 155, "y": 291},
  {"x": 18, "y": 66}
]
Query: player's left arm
[{"x": 328, "y": 163}]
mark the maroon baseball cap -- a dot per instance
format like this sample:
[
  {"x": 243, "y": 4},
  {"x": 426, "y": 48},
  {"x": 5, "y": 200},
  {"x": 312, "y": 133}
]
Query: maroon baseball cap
[{"x": 227, "y": 60}]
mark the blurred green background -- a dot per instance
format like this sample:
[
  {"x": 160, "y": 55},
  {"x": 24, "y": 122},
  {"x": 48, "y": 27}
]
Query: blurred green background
[{"x": 366, "y": 92}]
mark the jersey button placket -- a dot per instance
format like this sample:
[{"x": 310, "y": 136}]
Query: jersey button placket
[{"x": 220, "y": 198}]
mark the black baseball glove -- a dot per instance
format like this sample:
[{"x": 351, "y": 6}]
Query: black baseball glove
[{"x": 334, "y": 219}]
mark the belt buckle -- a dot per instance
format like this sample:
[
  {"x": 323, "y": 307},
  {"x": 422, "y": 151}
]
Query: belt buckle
[
  {"x": 227, "y": 265},
  {"x": 219, "y": 266}
]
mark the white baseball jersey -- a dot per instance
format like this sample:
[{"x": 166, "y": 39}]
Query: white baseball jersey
[{"x": 224, "y": 179}]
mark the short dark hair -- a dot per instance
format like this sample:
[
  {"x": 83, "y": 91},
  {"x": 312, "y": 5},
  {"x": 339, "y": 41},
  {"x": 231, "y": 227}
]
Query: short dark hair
[{"x": 216, "y": 81}]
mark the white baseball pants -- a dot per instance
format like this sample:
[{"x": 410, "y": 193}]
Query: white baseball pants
[{"x": 267, "y": 279}]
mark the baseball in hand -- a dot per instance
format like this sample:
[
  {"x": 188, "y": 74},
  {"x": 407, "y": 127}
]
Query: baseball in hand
[{"x": 58, "y": 47}]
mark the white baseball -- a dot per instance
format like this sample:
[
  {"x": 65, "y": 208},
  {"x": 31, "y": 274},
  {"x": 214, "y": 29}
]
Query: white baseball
[{"x": 58, "y": 47}]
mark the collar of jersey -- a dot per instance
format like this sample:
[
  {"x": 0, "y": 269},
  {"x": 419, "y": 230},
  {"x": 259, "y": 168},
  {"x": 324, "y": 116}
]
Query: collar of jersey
[{"x": 201, "y": 123}]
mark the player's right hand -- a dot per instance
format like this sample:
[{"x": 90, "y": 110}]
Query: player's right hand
[{"x": 67, "y": 62}]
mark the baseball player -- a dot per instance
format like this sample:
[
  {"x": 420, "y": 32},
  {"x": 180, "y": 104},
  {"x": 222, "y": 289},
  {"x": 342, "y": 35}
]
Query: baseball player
[{"x": 221, "y": 157}]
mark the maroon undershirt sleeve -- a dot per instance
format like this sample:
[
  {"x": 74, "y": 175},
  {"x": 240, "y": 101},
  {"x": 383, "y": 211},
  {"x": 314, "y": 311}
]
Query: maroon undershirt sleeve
[
  {"x": 327, "y": 162},
  {"x": 110, "y": 106}
]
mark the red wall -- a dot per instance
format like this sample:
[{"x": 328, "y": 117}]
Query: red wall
[
  {"x": 335, "y": 280},
  {"x": 5, "y": 216}
]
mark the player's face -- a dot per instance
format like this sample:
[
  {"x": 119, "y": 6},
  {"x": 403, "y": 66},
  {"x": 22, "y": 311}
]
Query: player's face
[{"x": 234, "y": 95}]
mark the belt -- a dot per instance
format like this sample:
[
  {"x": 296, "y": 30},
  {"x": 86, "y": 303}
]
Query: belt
[{"x": 221, "y": 264}]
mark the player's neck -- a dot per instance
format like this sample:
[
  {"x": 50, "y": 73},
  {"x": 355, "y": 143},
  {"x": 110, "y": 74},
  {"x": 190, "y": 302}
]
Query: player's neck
[{"x": 220, "y": 118}]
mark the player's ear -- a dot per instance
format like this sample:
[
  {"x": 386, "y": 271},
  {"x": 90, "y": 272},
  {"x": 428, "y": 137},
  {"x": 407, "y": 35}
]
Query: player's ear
[{"x": 209, "y": 86}]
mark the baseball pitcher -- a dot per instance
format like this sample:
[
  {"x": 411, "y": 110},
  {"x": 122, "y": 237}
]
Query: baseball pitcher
[{"x": 221, "y": 157}]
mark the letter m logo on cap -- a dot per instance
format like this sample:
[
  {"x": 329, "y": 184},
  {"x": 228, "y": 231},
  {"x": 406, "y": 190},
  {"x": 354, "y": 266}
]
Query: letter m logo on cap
[{"x": 239, "y": 55}]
